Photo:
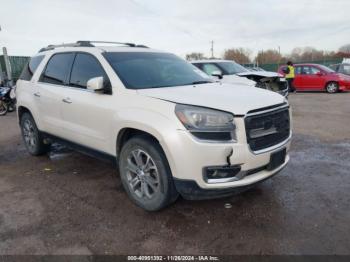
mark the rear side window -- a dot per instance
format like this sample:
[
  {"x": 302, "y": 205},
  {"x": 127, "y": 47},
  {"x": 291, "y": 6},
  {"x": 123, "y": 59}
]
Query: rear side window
[
  {"x": 84, "y": 68},
  {"x": 31, "y": 66},
  {"x": 58, "y": 68}
]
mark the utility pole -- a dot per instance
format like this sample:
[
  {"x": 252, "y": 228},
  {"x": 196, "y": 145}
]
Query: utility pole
[
  {"x": 279, "y": 57},
  {"x": 212, "y": 49}
]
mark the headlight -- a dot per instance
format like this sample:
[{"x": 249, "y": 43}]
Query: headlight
[{"x": 207, "y": 124}]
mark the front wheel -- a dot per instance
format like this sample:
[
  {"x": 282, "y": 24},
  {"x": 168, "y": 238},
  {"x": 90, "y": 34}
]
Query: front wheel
[
  {"x": 3, "y": 108},
  {"x": 332, "y": 87},
  {"x": 145, "y": 174}
]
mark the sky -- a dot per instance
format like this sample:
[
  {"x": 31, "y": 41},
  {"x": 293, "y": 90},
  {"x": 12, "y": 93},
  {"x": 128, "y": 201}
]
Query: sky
[{"x": 178, "y": 26}]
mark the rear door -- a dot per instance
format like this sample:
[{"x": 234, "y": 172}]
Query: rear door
[
  {"x": 87, "y": 114},
  {"x": 49, "y": 91}
]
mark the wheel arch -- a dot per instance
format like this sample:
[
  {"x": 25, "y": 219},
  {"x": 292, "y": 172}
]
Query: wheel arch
[
  {"x": 331, "y": 81},
  {"x": 21, "y": 110},
  {"x": 126, "y": 133}
]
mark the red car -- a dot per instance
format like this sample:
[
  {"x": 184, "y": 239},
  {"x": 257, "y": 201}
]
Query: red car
[{"x": 314, "y": 77}]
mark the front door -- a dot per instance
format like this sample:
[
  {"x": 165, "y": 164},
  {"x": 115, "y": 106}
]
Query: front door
[
  {"x": 312, "y": 78},
  {"x": 297, "y": 82},
  {"x": 87, "y": 114}
]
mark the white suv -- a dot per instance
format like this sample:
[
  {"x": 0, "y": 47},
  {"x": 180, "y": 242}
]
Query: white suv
[{"x": 171, "y": 129}]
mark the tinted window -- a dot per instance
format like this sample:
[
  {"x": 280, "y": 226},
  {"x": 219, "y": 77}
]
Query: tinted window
[
  {"x": 85, "y": 67},
  {"x": 31, "y": 66},
  {"x": 138, "y": 70},
  {"x": 210, "y": 68},
  {"x": 58, "y": 68}
]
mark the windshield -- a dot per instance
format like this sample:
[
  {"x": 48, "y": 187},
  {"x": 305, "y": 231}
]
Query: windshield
[
  {"x": 327, "y": 69},
  {"x": 140, "y": 70},
  {"x": 232, "y": 68}
]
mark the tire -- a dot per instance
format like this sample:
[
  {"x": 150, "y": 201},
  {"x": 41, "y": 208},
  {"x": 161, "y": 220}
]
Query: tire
[
  {"x": 32, "y": 137},
  {"x": 332, "y": 87},
  {"x": 3, "y": 108},
  {"x": 145, "y": 174}
]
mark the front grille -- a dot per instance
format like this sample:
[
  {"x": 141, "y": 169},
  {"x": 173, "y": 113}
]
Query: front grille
[{"x": 267, "y": 129}]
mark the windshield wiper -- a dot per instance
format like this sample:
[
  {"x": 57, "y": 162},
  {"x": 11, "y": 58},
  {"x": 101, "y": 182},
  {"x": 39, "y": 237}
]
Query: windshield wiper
[{"x": 201, "y": 82}]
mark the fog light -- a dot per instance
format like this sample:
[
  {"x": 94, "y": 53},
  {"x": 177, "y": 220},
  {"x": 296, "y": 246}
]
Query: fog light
[{"x": 216, "y": 174}]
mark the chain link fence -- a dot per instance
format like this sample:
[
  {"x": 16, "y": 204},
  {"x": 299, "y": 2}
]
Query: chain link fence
[
  {"x": 17, "y": 64},
  {"x": 274, "y": 66}
]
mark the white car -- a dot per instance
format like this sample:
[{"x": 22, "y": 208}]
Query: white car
[
  {"x": 171, "y": 130},
  {"x": 228, "y": 71}
]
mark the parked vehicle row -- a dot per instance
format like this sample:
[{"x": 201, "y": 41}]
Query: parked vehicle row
[
  {"x": 343, "y": 68},
  {"x": 315, "y": 77},
  {"x": 170, "y": 127},
  {"x": 230, "y": 72}
]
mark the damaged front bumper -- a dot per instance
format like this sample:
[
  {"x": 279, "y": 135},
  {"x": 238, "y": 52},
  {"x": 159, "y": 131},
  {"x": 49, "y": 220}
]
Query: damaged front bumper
[{"x": 269, "y": 81}]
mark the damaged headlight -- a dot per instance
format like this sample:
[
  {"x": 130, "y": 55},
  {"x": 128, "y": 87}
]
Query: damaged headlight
[{"x": 207, "y": 124}]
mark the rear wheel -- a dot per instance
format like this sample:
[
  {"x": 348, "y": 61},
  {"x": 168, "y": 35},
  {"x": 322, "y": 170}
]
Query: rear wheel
[
  {"x": 145, "y": 174},
  {"x": 32, "y": 137},
  {"x": 3, "y": 108},
  {"x": 332, "y": 87}
]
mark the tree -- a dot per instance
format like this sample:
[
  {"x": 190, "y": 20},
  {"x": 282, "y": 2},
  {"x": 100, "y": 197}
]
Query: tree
[
  {"x": 239, "y": 55},
  {"x": 195, "y": 56},
  {"x": 345, "y": 49},
  {"x": 310, "y": 54},
  {"x": 268, "y": 57}
]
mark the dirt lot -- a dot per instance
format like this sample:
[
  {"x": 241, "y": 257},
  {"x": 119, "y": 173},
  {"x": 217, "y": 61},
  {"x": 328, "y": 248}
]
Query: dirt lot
[{"x": 76, "y": 205}]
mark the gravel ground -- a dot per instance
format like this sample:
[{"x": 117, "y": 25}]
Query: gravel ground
[{"x": 70, "y": 203}]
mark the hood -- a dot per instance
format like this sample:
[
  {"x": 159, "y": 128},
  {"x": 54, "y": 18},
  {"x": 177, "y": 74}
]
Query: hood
[
  {"x": 260, "y": 73},
  {"x": 236, "y": 99},
  {"x": 237, "y": 80}
]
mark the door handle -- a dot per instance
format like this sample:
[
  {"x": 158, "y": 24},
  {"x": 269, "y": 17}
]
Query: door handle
[
  {"x": 37, "y": 94},
  {"x": 67, "y": 100}
]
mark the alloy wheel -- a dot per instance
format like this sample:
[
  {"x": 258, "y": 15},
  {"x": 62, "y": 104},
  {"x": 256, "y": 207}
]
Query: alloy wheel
[
  {"x": 29, "y": 134},
  {"x": 332, "y": 87},
  {"x": 142, "y": 174}
]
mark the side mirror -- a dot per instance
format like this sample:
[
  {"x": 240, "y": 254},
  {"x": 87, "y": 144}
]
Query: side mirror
[
  {"x": 217, "y": 73},
  {"x": 319, "y": 73},
  {"x": 95, "y": 84}
]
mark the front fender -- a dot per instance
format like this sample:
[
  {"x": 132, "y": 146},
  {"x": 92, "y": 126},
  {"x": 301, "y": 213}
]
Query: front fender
[{"x": 159, "y": 125}]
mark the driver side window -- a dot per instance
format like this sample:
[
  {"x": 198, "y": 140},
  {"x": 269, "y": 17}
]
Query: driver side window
[{"x": 85, "y": 67}]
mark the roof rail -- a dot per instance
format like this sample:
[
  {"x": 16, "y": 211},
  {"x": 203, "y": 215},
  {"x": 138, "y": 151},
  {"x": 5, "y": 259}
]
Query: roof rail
[{"x": 86, "y": 43}]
